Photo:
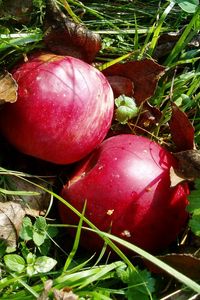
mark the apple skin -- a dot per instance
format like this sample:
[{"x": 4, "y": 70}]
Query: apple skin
[
  {"x": 63, "y": 111},
  {"x": 126, "y": 182}
]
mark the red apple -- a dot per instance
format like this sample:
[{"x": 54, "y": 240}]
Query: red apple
[
  {"x": 63, "y": 111},
  {"x": 126, "y": 182}
]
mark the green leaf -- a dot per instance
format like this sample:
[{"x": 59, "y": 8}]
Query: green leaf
[
  {"x": 45, "y": 247},
  {"x": 123, "y": 273},
  {"x": 126, "y": 109},
  {"x": 194, "y": 198},
  {"x": 30, "y": 270},
  {"x": 38, "y": 3},
  {"x": 39, "y": 237},
  {"x": 40, "y": 231},
  {"x": 40, "y": 224},
  {"x": 14, "y": 262},
  {"x": 194, "y": 208},
  {"x": 52, "y": 231},
  {"x": 194, "y": 223},
  {"x": 140, "y": 283},
  {"x": 44, "y": 264},
  {"x": 188, "y": 6},
  {"x": 30, "y": 258},
  {"x": 26, "y": 232}
]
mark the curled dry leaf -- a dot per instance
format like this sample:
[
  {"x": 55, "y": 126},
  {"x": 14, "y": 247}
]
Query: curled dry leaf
[
  {"x": 8, "y": 88},
  {"x": 175, "y": 178},
  {"x": 182, "y": 132},
  {"x": 64, "y": 36},
  {"x": 13, "y": 206},
  {"x": 137, "y": 79},
  {"x": 143, "y": 75},
  {"x": 47, "y": 287},
  {"x": 167, "y": 41},
  {"x": 65, "y": 294},
  {"x": 181, "y": 129},
  {"x": 188, "y": 164},
  {"x": 121, "y": 85},
  {"x": 149, "y": 117},
  {"x": 11, "y": 215},
  {"x": 36, "y": 204}
]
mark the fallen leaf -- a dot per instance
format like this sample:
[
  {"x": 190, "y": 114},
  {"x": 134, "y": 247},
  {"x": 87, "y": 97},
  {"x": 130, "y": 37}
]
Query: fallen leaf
[
  {"x": 121, "y": 85},
  {"x": 11, "y": 215},
  {"x": 188, "y": 164},
  {"x": 17, "y": 11},
  {"x": 137, "y": 79},
  {"x": 175, "y": 178},
  {"x": 181, "y": 129},
  {"x": 149, "y": 117},
  {"x": 143, "y": 75},
  {"x": 64, "y": 36},
  {"x": 187, "y": 264},
  {"x": 8, "y": 88},
  {"x": 64, "y": 295},
  {"x": 166, "y": 43},
  {"x": 34, "y": 205},
  {"x": 15, "y": 205},
  {"x": 47, "y": 287}
]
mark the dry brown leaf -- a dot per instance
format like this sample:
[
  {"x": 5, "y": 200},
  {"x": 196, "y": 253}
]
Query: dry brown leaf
[
  {"x": 11, "y": 215},
  {"x": 47, "y": 287},
  {"x": 175, "y": 179},
  {"x": 64, "y": 36},
  {"x": 149, "y": 117},
  {"x": 121, "y": 85},
  {"x": 34, "y": 205},
  {"x": 13, "y": 208},
  {"x": 189, "y": 163},
  {"x": 166, "y": 43},
  {"x": 64, "y": 295},
  {"x": 137, "y": 79},
  {"x": 143, "y": 75},
  {"x": 8, "y": 88},
  {"x": 182, "y": 130},
  {"x": 188, "y": 166}
]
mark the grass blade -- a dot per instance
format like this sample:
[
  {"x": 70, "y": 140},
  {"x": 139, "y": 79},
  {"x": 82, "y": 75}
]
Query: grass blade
[
  {"x": 173, "y": 272},
  {"x": 18, "y": 193},
  {"x": 26, "y": 286},
  {"x": 158, "y": 28},
  {"x": 76, "y": 241},
  {"x": 180, "y": 45}
]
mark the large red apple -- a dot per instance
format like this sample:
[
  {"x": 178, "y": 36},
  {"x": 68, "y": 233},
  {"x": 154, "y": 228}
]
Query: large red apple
[
  {"x": 63, "y": 111},
  {"x": 126, "y": 182}
]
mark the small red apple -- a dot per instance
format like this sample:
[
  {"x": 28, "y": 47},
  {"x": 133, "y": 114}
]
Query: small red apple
[
  {"x": 63, "y": 111},
  {"x": 126, "y": 182}
]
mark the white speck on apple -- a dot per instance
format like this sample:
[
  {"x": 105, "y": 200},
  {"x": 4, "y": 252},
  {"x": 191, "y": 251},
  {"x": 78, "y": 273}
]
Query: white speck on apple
[
  {"x": 126, "y": 233},
  {"x": 110, "y": 212}
]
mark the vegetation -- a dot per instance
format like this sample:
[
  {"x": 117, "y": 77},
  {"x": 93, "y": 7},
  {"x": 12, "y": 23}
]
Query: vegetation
[{"x": 42, "y": 262}]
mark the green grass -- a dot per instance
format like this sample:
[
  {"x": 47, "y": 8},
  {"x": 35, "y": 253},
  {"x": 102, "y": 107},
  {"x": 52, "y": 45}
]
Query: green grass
[{"x": 129, "y": 30}]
